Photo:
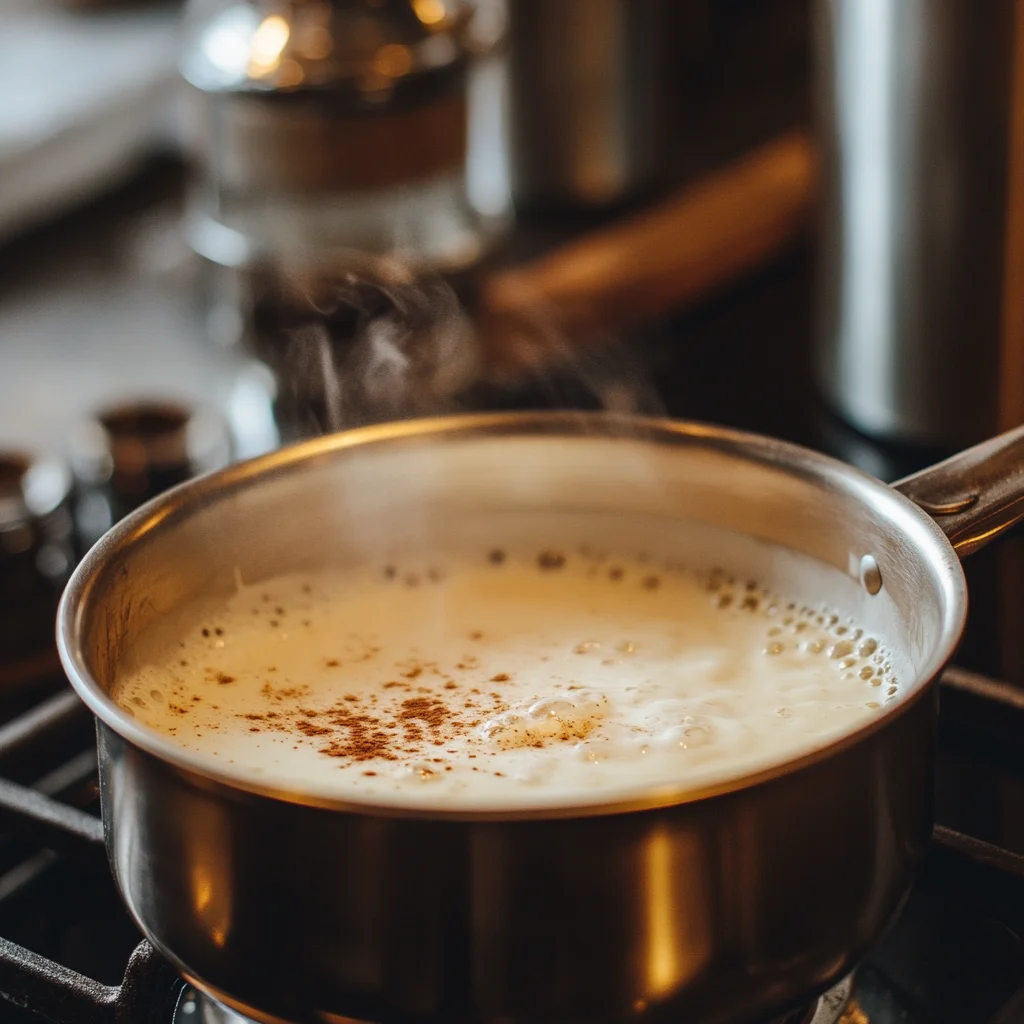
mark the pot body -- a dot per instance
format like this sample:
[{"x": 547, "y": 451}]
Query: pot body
[
  {"x": 726, "y": 905},
  {"x": 725, "y": 909}
]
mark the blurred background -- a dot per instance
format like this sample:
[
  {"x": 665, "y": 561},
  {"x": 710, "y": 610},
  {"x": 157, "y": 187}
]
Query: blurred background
[
  {"x": 227, "y": 225},
  {"x": 231, "y": 224}
]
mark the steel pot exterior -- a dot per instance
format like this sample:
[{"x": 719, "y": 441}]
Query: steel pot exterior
[{"x": 727, "y": 905}]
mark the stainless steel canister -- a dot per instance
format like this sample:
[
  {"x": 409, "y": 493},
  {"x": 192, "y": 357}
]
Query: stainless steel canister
[
  {"x": 588, "y": 99},
  {"x": 914, "y": 107}
]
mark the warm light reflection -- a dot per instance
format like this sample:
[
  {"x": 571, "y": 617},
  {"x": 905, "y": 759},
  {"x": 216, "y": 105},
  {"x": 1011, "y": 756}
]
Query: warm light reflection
[
  {"x": 208, "y": 862},
  {"x": 393, "y": 61},
  {"x": 853, "y": 1014},
  {"x": 212, "y": 908},
  {"x": 268, "y": 43},
  {"x": 677, "y": 919},
  {"x": 662, "y": 941},
  {"x": 430, "y": 12}
]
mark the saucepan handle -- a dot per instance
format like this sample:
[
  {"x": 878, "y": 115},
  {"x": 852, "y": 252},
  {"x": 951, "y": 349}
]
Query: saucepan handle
[{"x": 976, "y": 495}]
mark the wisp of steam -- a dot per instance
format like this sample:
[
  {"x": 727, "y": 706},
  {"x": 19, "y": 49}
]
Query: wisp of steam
[{"x": 379, "y": 341}]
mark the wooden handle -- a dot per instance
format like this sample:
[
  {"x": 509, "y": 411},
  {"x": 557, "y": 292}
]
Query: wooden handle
[{"x": 657, "y": 261}]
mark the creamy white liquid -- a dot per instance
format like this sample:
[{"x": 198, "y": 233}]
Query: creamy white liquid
[{"x": 506, "y": 679}]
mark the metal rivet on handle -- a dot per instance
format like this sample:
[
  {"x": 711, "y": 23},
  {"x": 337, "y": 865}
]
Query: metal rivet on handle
[{"x": 870, "y": 574}]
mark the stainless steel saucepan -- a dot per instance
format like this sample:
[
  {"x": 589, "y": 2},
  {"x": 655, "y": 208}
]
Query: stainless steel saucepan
[{"x": 725, "y": 904}]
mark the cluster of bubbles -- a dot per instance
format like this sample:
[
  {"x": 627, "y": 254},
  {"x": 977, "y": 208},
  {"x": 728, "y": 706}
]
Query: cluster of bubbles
[
  {"x": 809, "y": 630},
  {"x": 546, "y": 719}
]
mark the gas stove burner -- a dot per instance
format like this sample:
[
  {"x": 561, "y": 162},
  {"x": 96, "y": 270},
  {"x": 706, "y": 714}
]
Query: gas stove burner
[{"x": 831, "y": 1008}]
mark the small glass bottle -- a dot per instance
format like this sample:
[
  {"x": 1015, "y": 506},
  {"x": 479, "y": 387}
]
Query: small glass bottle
[
  {"x": 127, "y": 454},
  {"x": 36, "y": 556}
]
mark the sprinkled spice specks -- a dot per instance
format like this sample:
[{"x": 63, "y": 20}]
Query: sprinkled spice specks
[{"x": 548, "y": 560}]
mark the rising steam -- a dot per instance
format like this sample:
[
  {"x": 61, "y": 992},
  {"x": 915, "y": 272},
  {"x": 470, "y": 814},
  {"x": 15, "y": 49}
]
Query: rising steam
[{"x": 378, "y": 342}]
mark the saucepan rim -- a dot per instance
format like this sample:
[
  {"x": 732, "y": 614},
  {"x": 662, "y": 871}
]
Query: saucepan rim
[{"x": 184, "y": 499}]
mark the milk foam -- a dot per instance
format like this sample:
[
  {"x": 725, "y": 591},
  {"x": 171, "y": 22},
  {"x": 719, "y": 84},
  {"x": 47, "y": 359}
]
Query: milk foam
[{"x": 504, "y": 679}]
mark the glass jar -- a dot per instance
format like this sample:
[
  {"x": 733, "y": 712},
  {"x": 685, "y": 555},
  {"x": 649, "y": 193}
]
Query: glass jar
[{"x": 333, "y": 124}]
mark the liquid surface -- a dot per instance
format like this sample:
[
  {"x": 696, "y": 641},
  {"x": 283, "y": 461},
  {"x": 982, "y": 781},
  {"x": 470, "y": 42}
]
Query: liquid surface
[{"x": 505, "y": 679}]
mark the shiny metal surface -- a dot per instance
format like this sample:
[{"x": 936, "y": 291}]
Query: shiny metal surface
[
  {"x": 587, "y": 98},
  {"x": 724, "y": 905},
  {"x": 974, "y": 496},
  {"x": 913, "y": 107}
]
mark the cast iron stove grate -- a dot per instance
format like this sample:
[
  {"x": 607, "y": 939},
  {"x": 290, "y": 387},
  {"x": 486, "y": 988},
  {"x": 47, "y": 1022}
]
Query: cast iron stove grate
[{"x": 70, "y": 955}]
